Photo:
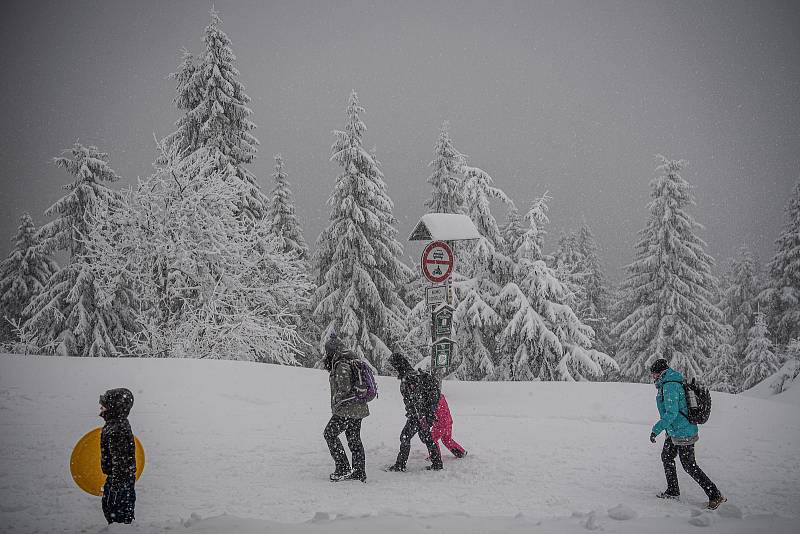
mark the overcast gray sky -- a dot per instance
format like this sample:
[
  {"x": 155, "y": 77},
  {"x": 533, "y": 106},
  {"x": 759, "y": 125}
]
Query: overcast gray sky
[{"x": 574, "y": 98}]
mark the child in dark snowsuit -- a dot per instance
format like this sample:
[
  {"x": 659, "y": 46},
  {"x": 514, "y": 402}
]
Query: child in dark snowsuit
[
  {"x": 420, "y": 393},
  {"x": 117, "y": 456}
]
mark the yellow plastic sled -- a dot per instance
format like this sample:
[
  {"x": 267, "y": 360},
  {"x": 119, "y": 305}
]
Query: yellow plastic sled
[{"x": 84, "y": 464}]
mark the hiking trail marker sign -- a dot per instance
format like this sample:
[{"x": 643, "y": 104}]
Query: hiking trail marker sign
[
  {"x": 437, "y": 262},
  {"x": 435, "y": 295},
  {"x": 442, "y": 351}
]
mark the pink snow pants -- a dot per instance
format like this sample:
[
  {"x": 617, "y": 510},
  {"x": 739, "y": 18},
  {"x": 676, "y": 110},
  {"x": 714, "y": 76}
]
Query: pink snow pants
[{"x": 443, "y": 428}]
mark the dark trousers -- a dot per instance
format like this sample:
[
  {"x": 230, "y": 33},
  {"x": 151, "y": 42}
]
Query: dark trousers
[
  {"x": 686, "y": 453},
  {"x": 352, "y": 431},
  {"x": 118, "y": 503},
  {"x": 423, "y": 428}
]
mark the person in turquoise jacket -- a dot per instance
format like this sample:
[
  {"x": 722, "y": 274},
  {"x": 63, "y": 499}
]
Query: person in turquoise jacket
[{"x": 682, "y": 434}]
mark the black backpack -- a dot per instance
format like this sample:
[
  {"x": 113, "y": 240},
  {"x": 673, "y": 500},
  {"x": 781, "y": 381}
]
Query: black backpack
[
  {"x": 698, "y": 399},
  {"x": 430, "y": 390}
]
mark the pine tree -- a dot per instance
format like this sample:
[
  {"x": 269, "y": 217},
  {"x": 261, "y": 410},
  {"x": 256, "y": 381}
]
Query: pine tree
[
  {"x": 214, "y": 134},
  {"x": 23, "y": 276},
  {"x": 759, "y": 361},
  {"x": 211, "y": 284},
  {"x": 739, "y": 298},
  {"x": 594, "y": 308},
  {"x": 578, "y": 266},
  {"x": 447, "y": 178},
  {"x": 724, "y": 375},
  {"x": 283, "y": 222},
  {"x": 783, "y": 294},
  {"x": 543, "y": 338},
  {"x": 669, "y": 287},
  {"x": 486, "y": 269},
  {"x": 358, "y": 256},
  {"x": 70, "y": 315}
]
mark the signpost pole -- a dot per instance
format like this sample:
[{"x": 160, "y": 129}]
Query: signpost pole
[{"x": 441, "y": 230}]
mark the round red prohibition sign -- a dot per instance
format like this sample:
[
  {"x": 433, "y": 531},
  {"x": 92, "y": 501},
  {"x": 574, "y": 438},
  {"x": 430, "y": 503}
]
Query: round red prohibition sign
[{"x": 437, "y": 261}]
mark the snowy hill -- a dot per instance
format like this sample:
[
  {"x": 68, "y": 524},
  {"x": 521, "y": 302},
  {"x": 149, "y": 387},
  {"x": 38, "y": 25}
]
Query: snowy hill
[
  {"x": 237, "y": 447},
  {"x": 766, "y": 389}
]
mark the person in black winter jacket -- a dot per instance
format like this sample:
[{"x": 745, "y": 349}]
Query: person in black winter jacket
[
  {"x": 420, "y": 393},
  {"x": 117, "y": 456}
]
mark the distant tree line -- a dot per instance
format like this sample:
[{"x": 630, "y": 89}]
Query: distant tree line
[{"x": 196, "y": 260}]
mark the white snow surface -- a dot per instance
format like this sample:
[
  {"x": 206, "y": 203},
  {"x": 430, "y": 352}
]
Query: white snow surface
[{"x": 237, "y": 447}]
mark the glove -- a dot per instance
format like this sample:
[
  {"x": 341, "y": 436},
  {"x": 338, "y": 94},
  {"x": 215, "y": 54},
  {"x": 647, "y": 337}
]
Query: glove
[{"x": 652, "y": 437}]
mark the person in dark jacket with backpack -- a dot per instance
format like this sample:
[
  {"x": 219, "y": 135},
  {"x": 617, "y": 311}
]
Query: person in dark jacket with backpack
[
  {"x": 117, "y": 456},
  {"x": 420, "y": 393},
  {"x": 346, "y": 416},
  {"x": 682, "y": 434}
]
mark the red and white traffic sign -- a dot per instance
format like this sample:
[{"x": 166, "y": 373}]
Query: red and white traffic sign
[{"x": 437, "y": 262}]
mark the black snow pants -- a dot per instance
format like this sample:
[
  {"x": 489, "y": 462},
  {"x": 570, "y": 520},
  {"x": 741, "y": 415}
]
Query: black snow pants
[
  {"x": 423, "y": 428},
  {"x": 686, "y": 453},
  {"x": 352, "y": 431},
  {"x": 118, "y": 503}
]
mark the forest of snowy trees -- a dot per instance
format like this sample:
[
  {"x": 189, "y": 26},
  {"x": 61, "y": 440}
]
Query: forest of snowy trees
[{"x": 197, "y": 260}]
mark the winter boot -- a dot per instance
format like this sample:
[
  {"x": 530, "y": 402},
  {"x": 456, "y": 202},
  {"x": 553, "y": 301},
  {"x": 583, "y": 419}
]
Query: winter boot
[
  {"x": 458, "y": 453},
  {"x": 355, "y": 475},
  {"x": 669, "y": 495},
  {"x": 340, "y": 474},
  {"x": 436, "y": 465},
  {"x": 715, "y": 503},
  {"x": 398, "y": 468}
]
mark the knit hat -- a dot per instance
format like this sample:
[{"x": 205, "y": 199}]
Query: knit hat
[
  {"x": 334, "y": 346},
  {"x": 659, "y": 366}
]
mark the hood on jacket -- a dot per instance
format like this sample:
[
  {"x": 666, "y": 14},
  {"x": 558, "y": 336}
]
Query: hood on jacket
[
  {"x": 400, "y": 364},
  {"x": 669, "y": 375},
  {"x": 117, "y": 402}
]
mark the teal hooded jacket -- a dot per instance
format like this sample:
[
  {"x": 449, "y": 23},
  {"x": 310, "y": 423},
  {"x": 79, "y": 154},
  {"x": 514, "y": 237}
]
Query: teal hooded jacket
[{"x": 671, "y": 403}]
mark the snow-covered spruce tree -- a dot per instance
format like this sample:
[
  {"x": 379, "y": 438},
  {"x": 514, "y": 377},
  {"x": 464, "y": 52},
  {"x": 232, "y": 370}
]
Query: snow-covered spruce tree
[
  {"x": 284, "y": 225},
  {"x": 447, "y": 178},
  {"x": 513, "y": 231},
  {"x": 543, "y": 338},
  {"x": 214, "y": 134},
  {"x": 760, "y": 361},
  {"x": 739, "y": 297},
  {"x": 669, "y": 287},
  {"x": 724, "y": 375},
  {"x": 211, "y": 284},
  {"x": 594, "y": 307},
  {"x": 281, "y": 216},
  {"x": 783, "y": 293},
  {"x": 23, "y": 275},
  {"x": 357, "y": 259},
  {"x": 70, "y": 315},
  {"x": 578, "y": 267},
  {"x": 485, "y": 269}
]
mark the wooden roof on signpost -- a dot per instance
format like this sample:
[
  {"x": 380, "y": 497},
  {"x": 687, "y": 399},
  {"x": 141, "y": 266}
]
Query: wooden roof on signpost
[{"x": 444, "y": 227}]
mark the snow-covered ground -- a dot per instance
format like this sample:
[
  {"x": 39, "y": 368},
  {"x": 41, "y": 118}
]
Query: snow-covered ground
[{"x": 237, "y": 447}]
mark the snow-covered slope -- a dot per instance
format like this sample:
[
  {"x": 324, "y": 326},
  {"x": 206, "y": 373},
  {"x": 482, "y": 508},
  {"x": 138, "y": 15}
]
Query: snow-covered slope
[
  {"x": 245, "y": 440},
  {"x": 791, "y": 388}
]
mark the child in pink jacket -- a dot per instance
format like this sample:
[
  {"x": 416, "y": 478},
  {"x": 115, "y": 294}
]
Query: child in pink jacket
[{"x": 443, "y": 429}]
